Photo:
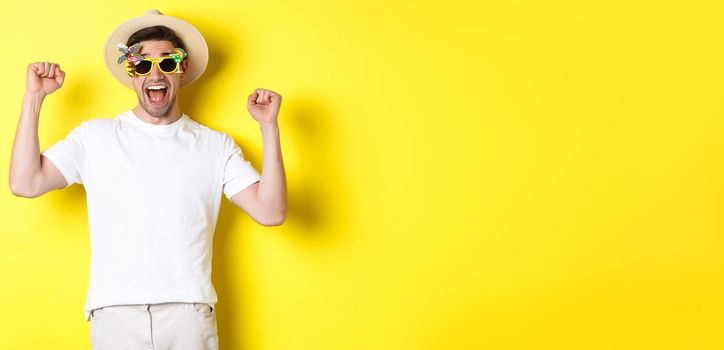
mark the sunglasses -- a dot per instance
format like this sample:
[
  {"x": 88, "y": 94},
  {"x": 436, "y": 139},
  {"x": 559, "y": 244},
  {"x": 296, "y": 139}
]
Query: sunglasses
[{"x": 167, "y": 65}]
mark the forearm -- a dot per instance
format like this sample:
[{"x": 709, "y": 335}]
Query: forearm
[
  {"x": 272, "y": 187},
  {"x": 25, "y": 159}
]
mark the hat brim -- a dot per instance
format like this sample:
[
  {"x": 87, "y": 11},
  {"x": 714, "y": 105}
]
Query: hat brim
[{"x": 198, "y": 51}]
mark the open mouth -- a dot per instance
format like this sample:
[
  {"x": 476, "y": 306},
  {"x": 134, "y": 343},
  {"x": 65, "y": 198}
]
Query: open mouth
[{"x": 156, "y": 94}]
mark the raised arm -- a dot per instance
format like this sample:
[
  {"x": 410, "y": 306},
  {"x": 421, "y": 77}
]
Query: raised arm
[
  {"x": 31, "y": 174},
  {"x": 266, "y": 200}
]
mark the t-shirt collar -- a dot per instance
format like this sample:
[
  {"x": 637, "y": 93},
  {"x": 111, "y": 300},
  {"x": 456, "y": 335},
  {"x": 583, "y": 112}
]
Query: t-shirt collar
[{"x": 133, "y": 118}]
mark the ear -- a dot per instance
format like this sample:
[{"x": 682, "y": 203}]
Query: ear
[{"x": 184, "y": 67}]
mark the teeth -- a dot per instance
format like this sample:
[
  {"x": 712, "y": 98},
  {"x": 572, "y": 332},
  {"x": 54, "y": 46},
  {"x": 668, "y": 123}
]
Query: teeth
[{"x": 156, "y": 87}]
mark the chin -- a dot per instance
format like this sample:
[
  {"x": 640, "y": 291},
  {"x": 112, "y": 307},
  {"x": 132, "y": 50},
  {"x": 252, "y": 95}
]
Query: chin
[{"x": 157, "y": 112}]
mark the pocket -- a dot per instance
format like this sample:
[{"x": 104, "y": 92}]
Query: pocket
[
  {"x": 95, "y": 324},
  {"x": 207, "y": 323},
  {"x": 97, "y": 314},
  {"x": 204, "y": 309}
]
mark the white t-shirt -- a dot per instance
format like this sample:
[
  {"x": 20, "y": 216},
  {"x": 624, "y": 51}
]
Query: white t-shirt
[{"x": 153, "y": 195}]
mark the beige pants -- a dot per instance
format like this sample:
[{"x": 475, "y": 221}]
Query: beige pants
[{"x": 166, "y": 326}]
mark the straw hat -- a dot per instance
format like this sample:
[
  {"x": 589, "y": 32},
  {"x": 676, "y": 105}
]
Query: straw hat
[{"x": 195, "y": 44}]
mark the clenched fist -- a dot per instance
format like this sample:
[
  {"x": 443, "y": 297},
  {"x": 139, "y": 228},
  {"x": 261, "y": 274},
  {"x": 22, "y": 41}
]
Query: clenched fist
[
  {"x": 264, "y": 105},
  {"x": 44, "y": 78}
]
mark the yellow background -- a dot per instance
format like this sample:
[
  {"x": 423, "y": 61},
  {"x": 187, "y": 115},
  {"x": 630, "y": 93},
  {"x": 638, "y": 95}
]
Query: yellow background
[{"x": 462, "y": 174}]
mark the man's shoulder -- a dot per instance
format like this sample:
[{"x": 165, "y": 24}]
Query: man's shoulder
[
  {"x": 94, "y": 125},
  {"x": 100, "y": 122},
  {"x": 216, "y": 134}
]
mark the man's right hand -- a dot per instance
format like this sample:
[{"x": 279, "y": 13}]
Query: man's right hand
[{"x": 44, "y": 78}]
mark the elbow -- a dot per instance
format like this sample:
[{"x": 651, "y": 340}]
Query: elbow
[
  {"x": 21, "y": 191},
  {"x": 274, "y": 220}
]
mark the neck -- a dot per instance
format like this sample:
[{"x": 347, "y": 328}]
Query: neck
[{"x": 173, "y": 115}]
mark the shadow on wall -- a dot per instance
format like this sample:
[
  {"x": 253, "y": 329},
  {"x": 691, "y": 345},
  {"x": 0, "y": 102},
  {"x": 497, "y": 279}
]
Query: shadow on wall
[
  {"x": 315, "y": 210},
  {"x": 218, "y": 53}
]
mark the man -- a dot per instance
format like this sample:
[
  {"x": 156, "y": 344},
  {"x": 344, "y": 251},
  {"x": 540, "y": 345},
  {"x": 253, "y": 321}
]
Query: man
[{"x": 153, "y": 179}]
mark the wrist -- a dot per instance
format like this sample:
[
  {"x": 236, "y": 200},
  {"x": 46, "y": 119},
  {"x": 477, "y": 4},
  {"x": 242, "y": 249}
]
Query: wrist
[
  {"x": 35, "y": 95},
  {"x": 269, "y": 125}
]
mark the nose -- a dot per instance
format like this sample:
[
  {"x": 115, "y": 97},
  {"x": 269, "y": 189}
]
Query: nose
[{"x": 155, "y": 71}]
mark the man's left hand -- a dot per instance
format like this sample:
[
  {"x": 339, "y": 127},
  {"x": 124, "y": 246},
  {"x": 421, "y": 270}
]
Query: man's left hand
[{"x": 264, "y": 105}]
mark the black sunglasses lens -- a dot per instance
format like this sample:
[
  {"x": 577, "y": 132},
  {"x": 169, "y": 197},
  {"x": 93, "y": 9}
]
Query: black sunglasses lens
[
  {"x": 144, "y": 67},
  {"x": 167, "y": 65}
]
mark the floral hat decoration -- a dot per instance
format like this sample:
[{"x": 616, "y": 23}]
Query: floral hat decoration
[{"x": 130, "y": 53}]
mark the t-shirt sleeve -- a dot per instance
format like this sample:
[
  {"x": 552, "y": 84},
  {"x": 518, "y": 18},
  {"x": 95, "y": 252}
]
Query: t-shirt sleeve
[
  {"x": 238, "y": 172},
  {"x": 69, "y": 154}
]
